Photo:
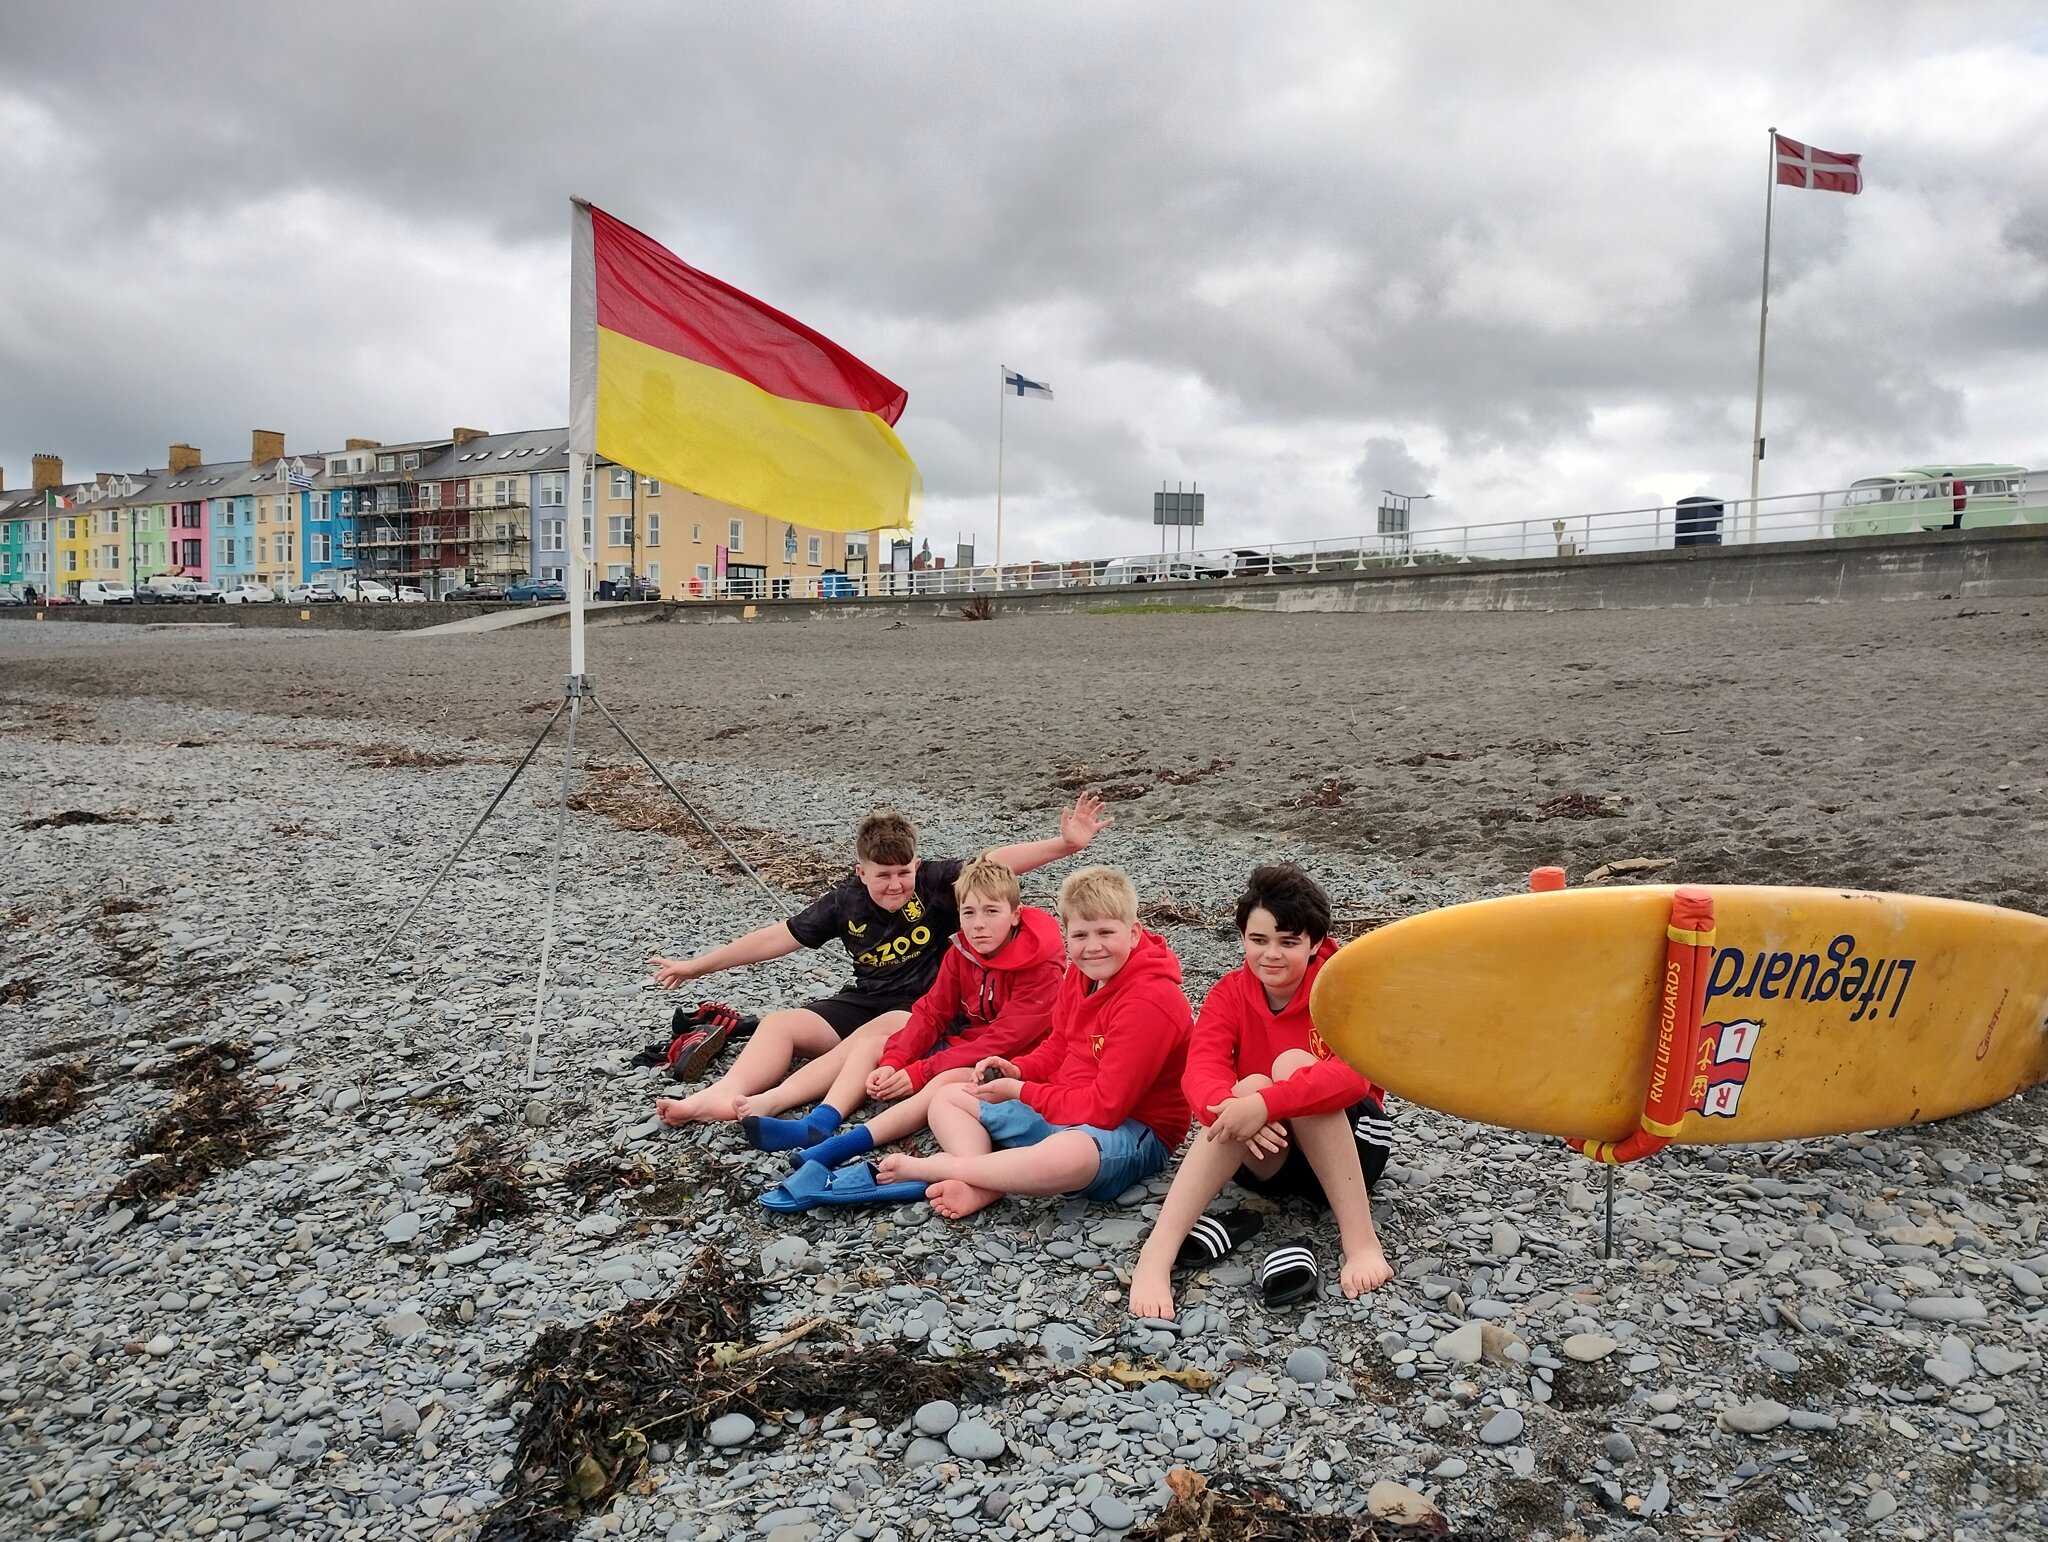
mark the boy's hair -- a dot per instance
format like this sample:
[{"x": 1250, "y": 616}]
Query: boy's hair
[
  {"x": 1098, "y": 894},
  {"x": 991, "y": 880},
  {"x": 886, "y": 838},
  {"x": 1295, "y": 901}
]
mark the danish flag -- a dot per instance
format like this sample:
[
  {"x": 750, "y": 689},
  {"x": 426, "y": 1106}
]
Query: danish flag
[{"x": 1823, "y": 170}]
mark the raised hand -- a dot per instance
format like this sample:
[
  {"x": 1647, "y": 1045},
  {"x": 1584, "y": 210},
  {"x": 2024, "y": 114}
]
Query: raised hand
[
  {"x": 1080, "y": 824},
  {"x": 671, "y": 972}
]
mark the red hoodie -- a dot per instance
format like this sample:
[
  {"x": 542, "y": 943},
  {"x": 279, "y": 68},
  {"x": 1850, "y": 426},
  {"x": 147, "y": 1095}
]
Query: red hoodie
[
  {"x": 1117, "y": 1050},
  {"x": 1239, "y": 1034},
  {"x": 998, "y": 1005}
]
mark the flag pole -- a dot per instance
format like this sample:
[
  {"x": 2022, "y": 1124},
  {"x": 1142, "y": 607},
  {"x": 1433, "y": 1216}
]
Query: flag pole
[
  {"x": 1002, "y": 402},
  {"x": 1763, "y": 316}
]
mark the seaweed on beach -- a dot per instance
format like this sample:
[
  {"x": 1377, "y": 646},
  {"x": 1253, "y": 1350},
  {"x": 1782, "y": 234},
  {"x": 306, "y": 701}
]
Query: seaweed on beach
[
  {"x": 591, "y": 1180},
  {"x": 1165, "y": 910},
  {"x": 1236, "y": 1510},
  {"x": 601, "y": 1395},
  {"x": 390, "y": 757},
  {"x": 20, "y": 990},
  {"x": 217, "y": 1121},
  {"x": 47, "y": 1094},
  {"x": 489, "y": 1174},
  {"x": 632, "y": 800}
]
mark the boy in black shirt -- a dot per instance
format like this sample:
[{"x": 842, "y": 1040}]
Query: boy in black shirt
[{"x": 895, "y": 916}]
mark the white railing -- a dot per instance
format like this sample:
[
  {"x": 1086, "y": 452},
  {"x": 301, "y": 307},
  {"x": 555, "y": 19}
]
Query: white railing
[{"x": 1791, "y": 517}]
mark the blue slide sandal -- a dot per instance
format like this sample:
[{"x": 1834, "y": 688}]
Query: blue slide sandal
[{"x": 812, "y": 1185}]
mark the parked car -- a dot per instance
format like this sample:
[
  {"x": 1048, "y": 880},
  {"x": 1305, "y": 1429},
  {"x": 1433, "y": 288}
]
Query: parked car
[
  {"x": 95, "y": 592},
  {"x": 249, "y": 592},
  {"x": 476, "y": 592},
  {"x": 319, "y": 592},
  {"x": 175, "y": 589},
  {"x": 639, "y": 589},
  {"x": 535, "y": 590},
  {"x": 367, "y": 591},
  {"x": 410, "y": 595},
  {"x": 208, "y": 594},
  {"x": 11, "y": 599}
]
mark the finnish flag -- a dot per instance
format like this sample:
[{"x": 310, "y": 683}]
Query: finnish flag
[{"x": 1016, "y": 385}]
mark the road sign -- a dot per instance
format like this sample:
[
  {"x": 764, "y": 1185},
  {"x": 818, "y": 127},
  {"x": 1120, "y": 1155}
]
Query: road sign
[{"x": 1177, "y": 508}]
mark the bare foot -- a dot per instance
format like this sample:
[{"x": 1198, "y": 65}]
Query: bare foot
[
  {"x": 902, "y": 1167},
  {"x": 759, "y": 1105},
  {"x": 1152, "y": 1290},
  {"x": 1365, "y": 1270},
  {"x": 956, "y": 1198},
  {"x": 695, "y": 1109}
]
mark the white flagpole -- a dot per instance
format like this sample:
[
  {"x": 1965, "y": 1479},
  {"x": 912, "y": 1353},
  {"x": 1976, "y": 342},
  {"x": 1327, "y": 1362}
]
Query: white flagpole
[
  {"x": 1763, "y": 316},
  {"x": 1002, "y": 402}
]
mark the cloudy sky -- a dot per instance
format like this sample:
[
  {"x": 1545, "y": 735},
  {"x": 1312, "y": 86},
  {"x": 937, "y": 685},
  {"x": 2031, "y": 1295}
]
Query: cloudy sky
[{"x": 1507, "y": 254}]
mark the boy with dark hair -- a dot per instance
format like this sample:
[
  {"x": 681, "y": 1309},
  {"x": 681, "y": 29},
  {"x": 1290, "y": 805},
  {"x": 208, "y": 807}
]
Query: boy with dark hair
[
  {"x": 1283, "y": 1115},
  {"x": 994, "y": 996},
  {"x": 1095, "y": 1108},
  {"x": 895, "y": 916}
]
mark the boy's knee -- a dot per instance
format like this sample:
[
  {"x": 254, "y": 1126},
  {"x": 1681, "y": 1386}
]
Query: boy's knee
[
  {"x": 1294, "y": 1060},
  {"x": 1250, "y": 1084},
  {"x": 958, "y": 1095}
]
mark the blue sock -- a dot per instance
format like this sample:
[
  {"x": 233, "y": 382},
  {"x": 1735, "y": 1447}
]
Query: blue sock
[
  {"x": 788, "y": 1134},
  {"x": 843, "y": 1147}
]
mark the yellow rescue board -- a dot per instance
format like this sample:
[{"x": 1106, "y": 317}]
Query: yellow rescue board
[{"x": 1831, "y": 1010}]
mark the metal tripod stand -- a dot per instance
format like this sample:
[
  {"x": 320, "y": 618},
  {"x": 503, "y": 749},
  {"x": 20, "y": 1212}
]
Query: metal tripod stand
[{"x": 576, "y": 690}]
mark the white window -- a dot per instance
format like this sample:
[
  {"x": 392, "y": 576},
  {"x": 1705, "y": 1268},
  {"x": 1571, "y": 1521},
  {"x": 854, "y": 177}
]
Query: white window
[
  {"x": 654, "y": 572},
  {"x": 618, "y": 530},
  {"x": 113, "y": 522},
  {"x": 71, "y": 562},
  {"x": 71, "y": 529},
  {"x": 622, "y": 482},
  {"x": 224, "y": 550},
  {"x": 696, "y": 535},
  {"x": 703, "y": 572},
  {"x": 653, "y": 528},
  {"x": 554, "y": 488},
  {"x": 813, "y": 546},
  {"x": 588, "y": 474},
  {"x": 430, "y": 495},
  {"x": 551, "y": 535},
  {"x": 653, "y": 488},
  {"x": 501, "y": 490},
  {"x": 387, "y": 463},
  {"x": 617, "y": 572},
  {"x": 734, "y": 530},
  {"x": 586, "y": 533},
  {"x": 430, "y": 535},
  {"x": 323, "y": 546},
  {"x": 411, "y": 460}
]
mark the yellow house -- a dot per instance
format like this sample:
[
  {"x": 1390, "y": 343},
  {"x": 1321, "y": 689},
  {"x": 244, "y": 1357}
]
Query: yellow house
[{"x": 689, "y": 545}]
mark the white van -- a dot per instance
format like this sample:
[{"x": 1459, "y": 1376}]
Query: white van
[
  {"x": 94, "y": 592},
  {"x": 1958, "y": 497},
  {"x": 1145, "y": 570}
]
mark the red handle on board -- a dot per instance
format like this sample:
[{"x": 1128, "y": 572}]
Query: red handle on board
[{"x": 1681, "y": 1004}]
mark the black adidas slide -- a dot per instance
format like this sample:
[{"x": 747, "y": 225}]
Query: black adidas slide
[
  {"x": 1215, "y": 1237},
  {"x": 1289, "y": 1275}
]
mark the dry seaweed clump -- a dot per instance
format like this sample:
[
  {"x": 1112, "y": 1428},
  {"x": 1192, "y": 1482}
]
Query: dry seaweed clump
[
  {"x": 489, "y": 1174},
  {"x": 216, "y": 1121},
  {"x": 46, "y": 1094},
  {"x": 1235, "y": 1511},
  {"x": 601, "y": 1395},
  {"x": 592, "y": 1180}
]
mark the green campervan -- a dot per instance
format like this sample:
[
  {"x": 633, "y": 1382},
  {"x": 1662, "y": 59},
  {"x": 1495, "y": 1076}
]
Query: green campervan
[{"x": 1967, "y": 497}]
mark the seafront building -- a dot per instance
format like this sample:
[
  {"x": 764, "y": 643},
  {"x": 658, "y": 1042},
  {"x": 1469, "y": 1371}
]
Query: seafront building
[{"x": 470, "y": 507}]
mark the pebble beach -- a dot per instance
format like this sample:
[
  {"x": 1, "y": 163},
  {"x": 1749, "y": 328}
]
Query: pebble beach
[{"x": 1835, "y": 1338}]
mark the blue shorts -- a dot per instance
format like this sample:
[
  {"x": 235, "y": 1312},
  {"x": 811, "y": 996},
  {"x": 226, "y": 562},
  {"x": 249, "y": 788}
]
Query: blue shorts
[{"x": 1129, "y": 1154}]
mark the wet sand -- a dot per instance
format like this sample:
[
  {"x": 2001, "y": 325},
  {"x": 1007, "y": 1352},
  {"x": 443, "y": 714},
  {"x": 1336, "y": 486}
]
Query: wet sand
[{"x": 1892, "y": 746}]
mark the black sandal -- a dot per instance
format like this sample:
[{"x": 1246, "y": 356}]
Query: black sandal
[
  {"x": 1289, "y": 1275},
  {"x": 1214, "y": 1238}
]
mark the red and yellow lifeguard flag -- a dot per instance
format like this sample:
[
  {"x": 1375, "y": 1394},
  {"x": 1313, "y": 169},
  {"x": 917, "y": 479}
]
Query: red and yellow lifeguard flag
[{"x": 683, "y": 377}]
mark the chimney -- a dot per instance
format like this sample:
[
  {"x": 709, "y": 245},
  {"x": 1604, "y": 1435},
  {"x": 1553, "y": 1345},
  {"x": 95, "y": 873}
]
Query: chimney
[
  {"x": 183, "y": 458},
  {"x": 102, "y": 478},
  {"x": 464, "y": 435},
  {"x": 3, "y": 479},
  {"x": 49, "y": 473},
  {"x": 364, "y": 444},
  {"x": 265, "y": 446}
]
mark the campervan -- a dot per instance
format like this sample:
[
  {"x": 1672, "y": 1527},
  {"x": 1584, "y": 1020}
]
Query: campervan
[{"x": 1951, "y": 497}]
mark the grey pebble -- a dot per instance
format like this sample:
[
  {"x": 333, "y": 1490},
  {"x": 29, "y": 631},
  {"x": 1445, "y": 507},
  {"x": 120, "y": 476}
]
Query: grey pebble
[
  {"x": 1502, "y": 1428},
  {"x": 973, "y": 1441},
  {"x": 729, "y": 1430}
]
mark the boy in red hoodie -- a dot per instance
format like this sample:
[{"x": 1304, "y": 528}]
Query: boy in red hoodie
[
  {"x": 1284, "y": 1115},
  {"x": 1095, "y": 1108},
  {"x": 993, "y": 996}
]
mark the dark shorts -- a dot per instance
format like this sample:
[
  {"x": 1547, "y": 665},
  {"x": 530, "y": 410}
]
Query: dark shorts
[
  {"x": 850, "y": 1009},
  {"x": 1295, "y": 1179}
]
